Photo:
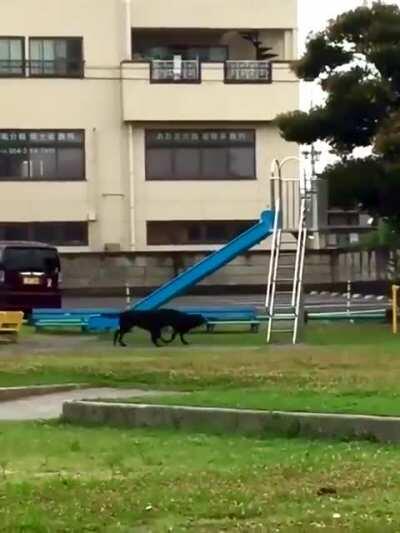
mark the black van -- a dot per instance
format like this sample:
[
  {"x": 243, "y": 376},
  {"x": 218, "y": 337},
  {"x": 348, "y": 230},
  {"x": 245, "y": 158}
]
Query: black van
[{"x": 30, "y": 276}]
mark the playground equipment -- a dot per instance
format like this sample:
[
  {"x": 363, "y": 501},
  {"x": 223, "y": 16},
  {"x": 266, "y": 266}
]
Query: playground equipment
[
  {"x": 10, "y": 325},
  {"x": 395, "y": 308},
  {"x": 103, "y": 320},
  {"x": 292, "y": 204},
  {"x": 290, "y": 221},
  {"x": 209, "y": 265}
]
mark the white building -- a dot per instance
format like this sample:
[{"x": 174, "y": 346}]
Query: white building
[{"x": 141, "y": 125}]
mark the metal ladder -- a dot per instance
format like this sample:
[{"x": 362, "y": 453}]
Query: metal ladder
[
  {"x": 284, "y": 307},
  {"x": 284, "y": 298}
]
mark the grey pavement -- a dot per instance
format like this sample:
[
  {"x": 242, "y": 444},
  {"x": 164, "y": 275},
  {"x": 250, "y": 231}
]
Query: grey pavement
[{"x": 50, "y": 405}]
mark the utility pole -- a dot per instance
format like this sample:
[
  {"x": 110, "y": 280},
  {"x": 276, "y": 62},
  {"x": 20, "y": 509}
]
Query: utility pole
[{"x": 314, "y": 155}]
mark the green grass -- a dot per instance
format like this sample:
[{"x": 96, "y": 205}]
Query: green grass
[
  {"x": 340, "y": 368},
  {"x": 369, "y": 402},
  {"x": 107, "y": 480}
]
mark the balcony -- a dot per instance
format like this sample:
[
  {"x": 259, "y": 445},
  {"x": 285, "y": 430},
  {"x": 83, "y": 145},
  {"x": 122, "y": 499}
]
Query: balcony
[
  {"x": 220, "y": 91},
  {"x": 191, "y": 72}
]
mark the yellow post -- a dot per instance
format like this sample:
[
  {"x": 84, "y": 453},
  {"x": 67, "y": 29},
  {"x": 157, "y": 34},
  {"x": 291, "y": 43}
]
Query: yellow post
[{"x": 395, "y": 290}]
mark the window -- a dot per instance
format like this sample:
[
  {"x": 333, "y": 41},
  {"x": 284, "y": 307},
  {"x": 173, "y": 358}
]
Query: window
[
  {"x": 42, "y": 155},
  {"x": 56, "y": 57},
  {"x": 195, "y": 232},
  {"x": 56, "y": 233},
  {"x": 198, "y": 53},
  {"x": 201, "y": 154},
  {"x": 12, "y": 56},
  {"x": 343, "y": 219},
  {"x": 31, "y": 258}
]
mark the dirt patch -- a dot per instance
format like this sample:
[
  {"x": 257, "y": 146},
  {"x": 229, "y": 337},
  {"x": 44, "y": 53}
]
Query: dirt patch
[{"x": 45, "y": 344}]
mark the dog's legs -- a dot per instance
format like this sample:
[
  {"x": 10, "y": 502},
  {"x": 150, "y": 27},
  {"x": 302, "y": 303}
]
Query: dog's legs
[
  {"x": 116, "y": 336},
  {"x": 155, "y": 337},
  {"x": 184, "y": 341},
  {"x": 168, "y": 341},
  {"x": 122, "y": 333}
]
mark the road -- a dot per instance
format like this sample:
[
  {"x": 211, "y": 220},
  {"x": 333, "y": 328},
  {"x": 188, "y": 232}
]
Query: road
[{"x": 316, "y": 303}]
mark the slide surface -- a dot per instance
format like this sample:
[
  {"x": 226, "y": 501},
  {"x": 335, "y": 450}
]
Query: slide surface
[{"x": 209, "y": 264}]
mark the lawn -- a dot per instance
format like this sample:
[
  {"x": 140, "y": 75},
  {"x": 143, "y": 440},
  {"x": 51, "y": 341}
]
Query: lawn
[
  {"x": 345, "y": 368},
  {"x": 79, "y": 479}
]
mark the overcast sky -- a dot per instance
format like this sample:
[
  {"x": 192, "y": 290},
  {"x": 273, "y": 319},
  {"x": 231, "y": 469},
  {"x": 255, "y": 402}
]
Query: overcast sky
[{"x": 313, "y": 16}]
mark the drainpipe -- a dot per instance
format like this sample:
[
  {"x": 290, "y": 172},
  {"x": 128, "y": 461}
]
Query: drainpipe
[
  {"x": 131, "y": 168},
  {"x": 131, "y": 188},
  {"x": 128, "y": 30}
]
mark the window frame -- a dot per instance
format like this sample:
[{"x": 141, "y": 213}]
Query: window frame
[
  {"x": 23, "y": 59},
  {"x": 32, "y": 227},
  {"x": 32, "y": 179},
  {"x": 81, "y": 74},
  {"x": 201, "y": 177},
  {"x": 202, "y": 226}
]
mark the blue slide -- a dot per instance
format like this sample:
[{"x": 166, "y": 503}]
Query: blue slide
[{"x": 209, "y": 265}]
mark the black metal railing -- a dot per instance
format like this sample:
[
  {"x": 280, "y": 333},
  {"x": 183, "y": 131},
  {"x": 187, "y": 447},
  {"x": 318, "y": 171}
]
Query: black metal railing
[
  {"x": 58, "y": 68},
  {"x": 248, "y": 72},
  {"x": 12, "y": 68},
  {"x": 175, "y": 71}
]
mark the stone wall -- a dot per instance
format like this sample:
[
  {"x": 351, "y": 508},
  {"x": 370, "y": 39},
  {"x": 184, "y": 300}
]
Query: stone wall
[{"x": 112, "y": 271}]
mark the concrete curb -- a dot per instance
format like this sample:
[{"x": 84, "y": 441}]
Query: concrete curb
[
  {"x": 15, "y": 393},
  {"x": 246, "y": 422}
]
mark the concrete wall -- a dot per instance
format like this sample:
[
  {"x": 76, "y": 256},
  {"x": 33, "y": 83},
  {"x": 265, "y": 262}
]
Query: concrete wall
[
  {"x": 212, "y": 99},
  {"x": 214, "y": 14},
  {"x": 113, "y": 271}
]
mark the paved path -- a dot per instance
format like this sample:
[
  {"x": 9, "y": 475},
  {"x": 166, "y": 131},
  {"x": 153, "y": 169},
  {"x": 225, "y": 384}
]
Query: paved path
[{"x": 50, "y": 405}]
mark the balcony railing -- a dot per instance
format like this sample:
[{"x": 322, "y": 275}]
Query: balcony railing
[
  {"x": 58, "y": 68},
  {"x": 12, "y": 68},
  {"x": 248, "y": 72},
  {"x": 175, "y": 72}
]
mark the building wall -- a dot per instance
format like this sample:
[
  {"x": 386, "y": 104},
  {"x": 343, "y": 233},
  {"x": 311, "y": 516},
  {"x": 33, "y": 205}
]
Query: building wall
[
  {"x": 101, "y": 273},
  {"x": 276, "y": 14},
  {"x": 115, "y": 202},
  {"x": 205, "y": 200}
]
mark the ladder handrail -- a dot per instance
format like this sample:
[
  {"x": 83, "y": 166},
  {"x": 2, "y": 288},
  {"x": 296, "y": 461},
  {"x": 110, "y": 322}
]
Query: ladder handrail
[
  {"x": 270, "y": 310},
  {"x": 301, "y": 229},
  {"x": 273, "y": 249},
  {"x": 300, "y": 286}
]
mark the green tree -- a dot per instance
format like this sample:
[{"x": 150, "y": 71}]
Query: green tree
[{"x": 356, "y": 61}]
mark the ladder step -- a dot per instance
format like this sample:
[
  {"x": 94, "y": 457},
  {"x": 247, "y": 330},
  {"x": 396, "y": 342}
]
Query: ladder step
[
  {"x": 282, "y": 331},
  {"x": 283, "y": 280},
  {"x": 281, "y": 293}
]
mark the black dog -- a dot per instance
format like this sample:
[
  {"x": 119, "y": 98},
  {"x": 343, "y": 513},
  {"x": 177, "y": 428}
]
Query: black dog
[{"x": 155, "y": 322}]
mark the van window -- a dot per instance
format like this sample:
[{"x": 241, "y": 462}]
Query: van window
[{"x": 31, "y": 259}]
